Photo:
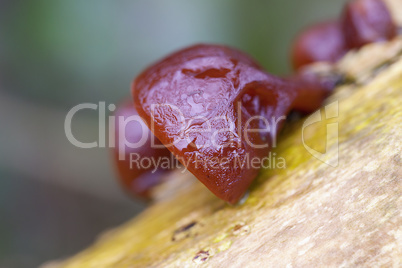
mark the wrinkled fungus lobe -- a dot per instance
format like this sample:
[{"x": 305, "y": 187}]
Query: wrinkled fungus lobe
[
  {"x": 202, "y": 103},
  {"x": 362, "y": 22},
  {"x": 136, "y": 177},
  {"x": 367, "y": 21},
  {"x": 320, "y": 42}
]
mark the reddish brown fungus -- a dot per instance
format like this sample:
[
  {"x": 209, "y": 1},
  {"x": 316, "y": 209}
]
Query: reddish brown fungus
[
  {"x": 136, "y": 175},
  {"x": 205, "y": 104}
]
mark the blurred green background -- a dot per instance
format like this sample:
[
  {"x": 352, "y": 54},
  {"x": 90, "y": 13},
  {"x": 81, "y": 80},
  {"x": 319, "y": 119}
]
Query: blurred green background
[{"x": 55, "y": 198}]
